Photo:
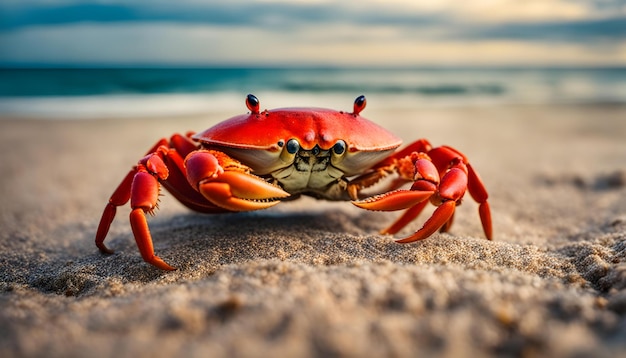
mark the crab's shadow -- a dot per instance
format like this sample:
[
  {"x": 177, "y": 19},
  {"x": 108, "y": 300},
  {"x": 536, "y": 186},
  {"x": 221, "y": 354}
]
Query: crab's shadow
[
  {"x": 235, "y": 238},
  {"x": 202, "y": 243}
]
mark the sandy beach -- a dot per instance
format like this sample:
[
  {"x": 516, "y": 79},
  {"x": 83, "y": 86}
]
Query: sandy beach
[{"x": 311, "y": 278}]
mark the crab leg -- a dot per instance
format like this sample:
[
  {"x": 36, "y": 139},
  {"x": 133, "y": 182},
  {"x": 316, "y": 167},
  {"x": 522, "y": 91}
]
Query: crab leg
[
  {"x": 394, "y": 200},
  {"x": 120, "y": 196},
  {"x": 217, "y": 185},
  {"x": 426, "y": 185},
  {"x": 409, "y": 215},
  {"x": 441, "y": 157},
  {"x": 478, "y": 192},
  {"x": 451, "y": 190},
  {"x": 144, "y": 198},
  {"x": 141, "y": 187},
  {"x": 426, "y": 178},
  {"x": 424, "y": 165}
]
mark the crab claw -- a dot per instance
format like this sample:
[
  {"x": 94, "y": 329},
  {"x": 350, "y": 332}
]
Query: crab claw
[
  {"x": 232, "y": 189},
  {"x": 238, "y": 191}
]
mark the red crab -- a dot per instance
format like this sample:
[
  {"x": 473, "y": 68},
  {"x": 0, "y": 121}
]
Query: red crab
[{"x": 256, "y": 160}]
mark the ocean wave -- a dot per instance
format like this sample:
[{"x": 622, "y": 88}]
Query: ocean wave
[
  {"x": 98, "y": 93},
  {"x": 116, "y": 106},
  {"x": 425, "y": 89}
]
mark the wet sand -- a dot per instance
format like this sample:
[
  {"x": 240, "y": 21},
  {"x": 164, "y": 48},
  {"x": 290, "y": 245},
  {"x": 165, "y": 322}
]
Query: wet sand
[{"x": 313, "y": 278}]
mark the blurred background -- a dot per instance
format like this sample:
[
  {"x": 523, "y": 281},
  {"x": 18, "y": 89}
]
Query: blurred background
[{"x": 89, "y": 58}]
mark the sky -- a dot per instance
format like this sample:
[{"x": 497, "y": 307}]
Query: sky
[{"x": 313, "y": 32}]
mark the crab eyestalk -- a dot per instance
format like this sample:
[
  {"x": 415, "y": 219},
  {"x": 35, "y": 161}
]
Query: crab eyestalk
[
  {"x": 253, "y": 104},
  {"x": 359, "y": 104},
  {"x": 289, "y": 150},
  {"x": 338, "y": 152}
]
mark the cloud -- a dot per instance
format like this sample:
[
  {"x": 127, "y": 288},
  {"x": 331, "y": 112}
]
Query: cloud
[
  {"x": 609, "y": 29},
  {"x": 192, "y": 44},
  {"x": 21, "y": 17},
  {"x": 368, "y": 32},
  {"x": 226, "y": 13}
]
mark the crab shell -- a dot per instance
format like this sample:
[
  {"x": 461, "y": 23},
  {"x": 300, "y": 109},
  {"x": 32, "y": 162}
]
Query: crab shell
[{"x": 258, "y": 139}]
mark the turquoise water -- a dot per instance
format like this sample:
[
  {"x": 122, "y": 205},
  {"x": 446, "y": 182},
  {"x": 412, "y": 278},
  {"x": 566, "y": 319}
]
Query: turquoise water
[{"x": 144, "y": 91}]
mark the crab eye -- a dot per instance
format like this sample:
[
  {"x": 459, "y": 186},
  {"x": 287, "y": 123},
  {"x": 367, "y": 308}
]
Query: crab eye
[
  {"x": 339, "y": 147},
  {"x": 253, "y": 103},
  {"x": 293, "y": 146},
  {"x": 359, "y": 104}
]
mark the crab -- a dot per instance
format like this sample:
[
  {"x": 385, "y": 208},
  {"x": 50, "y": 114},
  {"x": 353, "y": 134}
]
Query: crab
[{"x": 256, "y": 160}]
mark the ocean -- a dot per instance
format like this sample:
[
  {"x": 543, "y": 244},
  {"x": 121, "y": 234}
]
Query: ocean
[{"x": 83, "y": 93}]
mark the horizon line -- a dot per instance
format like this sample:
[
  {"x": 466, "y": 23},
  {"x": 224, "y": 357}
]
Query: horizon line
[{"x": 286, "y": 66}]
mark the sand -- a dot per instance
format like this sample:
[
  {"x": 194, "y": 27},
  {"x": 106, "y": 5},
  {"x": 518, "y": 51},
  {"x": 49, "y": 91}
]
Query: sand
[{"x": 313, "y": 278}]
